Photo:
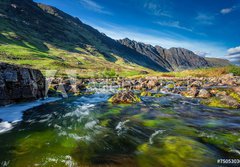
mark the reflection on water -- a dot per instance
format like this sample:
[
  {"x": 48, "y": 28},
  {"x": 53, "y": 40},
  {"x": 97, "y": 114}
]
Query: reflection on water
[{"x": 89, "y": 131}]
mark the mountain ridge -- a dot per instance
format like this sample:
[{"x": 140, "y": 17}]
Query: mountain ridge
[{"x": 174, "y": 58}]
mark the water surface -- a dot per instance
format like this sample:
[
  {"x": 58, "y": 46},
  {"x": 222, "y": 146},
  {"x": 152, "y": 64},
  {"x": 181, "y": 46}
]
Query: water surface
[{"x": 89, "y": 131}]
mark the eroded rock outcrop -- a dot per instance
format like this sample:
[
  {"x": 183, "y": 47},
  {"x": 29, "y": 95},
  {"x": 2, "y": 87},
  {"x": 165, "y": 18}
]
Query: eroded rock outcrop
[{"x": 20, "y": 84}]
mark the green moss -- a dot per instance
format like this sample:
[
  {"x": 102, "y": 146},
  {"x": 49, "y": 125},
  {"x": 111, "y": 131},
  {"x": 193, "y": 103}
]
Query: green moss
[
  {"x": 111, "y": 112},
  {"x": 170, "y": 86},
  {"x": 151, "y": 123},
  {"x": 235, "y": 96},
  {"x": 175, "y": 151},
  {"x": 134, "y": 99},
  {"x": 145, "y": 93},
  {"x": 158, "y": 95},
  {"x": 226, "y": 141},
  {"x": 215, "y": 102},
  {"x": 105, "y": 123}
]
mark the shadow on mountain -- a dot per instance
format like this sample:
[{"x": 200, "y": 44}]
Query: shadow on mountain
[{"x": 40, "y": 24}]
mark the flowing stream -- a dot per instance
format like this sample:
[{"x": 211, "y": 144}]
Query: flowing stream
[{"x": 89, "y": 131}]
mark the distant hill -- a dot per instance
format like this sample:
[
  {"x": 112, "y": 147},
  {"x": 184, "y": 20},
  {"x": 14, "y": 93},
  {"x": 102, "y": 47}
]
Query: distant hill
[
  {"x": 217, "y": 62},
  {"x": 44, "y": 37}
]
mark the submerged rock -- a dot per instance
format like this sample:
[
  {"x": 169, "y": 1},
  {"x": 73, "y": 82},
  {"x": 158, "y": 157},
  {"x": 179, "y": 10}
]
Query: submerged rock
[
  {"x": 203, "y": 93},
  {"x": 174, "y": 151},
  {"x": 20, "y": 84},
  {"x": 230, "y": 101},
  {"x": 125, "y": 97},
  {"x": 222, "y": 102},
  {"x": 192, "y": 92}
]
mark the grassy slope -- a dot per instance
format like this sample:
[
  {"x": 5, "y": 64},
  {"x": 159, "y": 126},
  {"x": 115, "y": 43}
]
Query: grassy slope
[
  {"x": 88, "y": 62},
  {"x": 202, "y": 72},
  {"x": 48, "y": 39}
]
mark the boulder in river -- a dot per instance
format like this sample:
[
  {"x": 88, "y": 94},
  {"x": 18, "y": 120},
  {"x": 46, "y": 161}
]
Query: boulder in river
[
  {"x": 192, "y": 92},
  {"x": 20, "y": 84},
  {"x": 126, "y": 97},
  {"x": 230, "y": 101},
  {"x": 203, "y": 93}
]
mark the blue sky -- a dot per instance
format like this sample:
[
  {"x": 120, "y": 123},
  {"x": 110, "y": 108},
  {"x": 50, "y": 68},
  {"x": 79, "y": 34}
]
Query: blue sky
[{"x": 207, "y": 27}]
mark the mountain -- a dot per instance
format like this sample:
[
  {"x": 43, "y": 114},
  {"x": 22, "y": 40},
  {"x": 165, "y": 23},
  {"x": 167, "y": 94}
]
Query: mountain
[
  {"x": 43, "y": 37},
  {"x": 40, "y": 32},
  {"x": 171, "y": 59},
  {"x": 217, "y": 62}
]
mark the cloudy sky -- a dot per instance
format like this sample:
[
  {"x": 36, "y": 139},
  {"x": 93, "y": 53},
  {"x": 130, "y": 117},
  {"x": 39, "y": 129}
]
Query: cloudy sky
[{"x": 207, "y": 27}]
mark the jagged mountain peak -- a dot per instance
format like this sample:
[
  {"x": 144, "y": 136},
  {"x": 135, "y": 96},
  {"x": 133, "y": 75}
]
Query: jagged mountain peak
[{"x": 172, "y": 59}]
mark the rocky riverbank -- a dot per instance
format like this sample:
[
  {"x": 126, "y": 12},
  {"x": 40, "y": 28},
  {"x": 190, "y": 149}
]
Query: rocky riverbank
[
  {"x": 19, "y": 84},
  {"x": 221, "y": 91}
]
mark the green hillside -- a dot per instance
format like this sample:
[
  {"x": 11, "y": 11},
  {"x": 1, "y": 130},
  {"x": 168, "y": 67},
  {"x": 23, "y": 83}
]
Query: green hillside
[{"x": 45, "y": 38}]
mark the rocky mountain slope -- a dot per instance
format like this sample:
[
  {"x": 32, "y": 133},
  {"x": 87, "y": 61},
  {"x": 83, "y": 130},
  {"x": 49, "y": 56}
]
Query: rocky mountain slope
[{"x": 172, "y": 59}]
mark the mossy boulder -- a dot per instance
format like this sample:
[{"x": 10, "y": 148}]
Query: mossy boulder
[
  {"x": 174, "y": 151},
  {"x": 146, "y": 93},
  {"x": 203, "y": 93},
  {"x": 170, "y": 86},
  {"x": 191, "y": 93},
  {"x": 226, "y": 141},
  {"x": 221, "y": 102},
  {"x": 125, "y": 97}
]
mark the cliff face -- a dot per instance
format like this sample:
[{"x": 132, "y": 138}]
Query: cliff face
[
  {"x": 20, "y": 84},
  {"x": 171, "y": 59}
]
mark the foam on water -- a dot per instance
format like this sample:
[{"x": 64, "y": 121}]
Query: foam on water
[
  {"x": 91, "y": 124},
  {"x": 154, "y": 135},
  {"x": 121, "y": 127},
  {"x": 15, "y": 112},
  {"x": 5, "y": 126}
]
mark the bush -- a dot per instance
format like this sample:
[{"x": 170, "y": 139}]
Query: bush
[
  {"x": 109, "y": 73},
  {"x": 235, "y": 70}
]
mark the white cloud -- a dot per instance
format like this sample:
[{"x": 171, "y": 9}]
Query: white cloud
[
  {"x": 157, "y": 9},
  {"x": 233, "y": 51},
  {"x": 91, "y": 5},
  {"x": 205, "y": 19},
  {"x": 226, "y": 10},
  {"x": 229, "y": 10},
  {"x": 202, "y": 53},
  {"x": 234, "y": 55},
  {"x": 175, "y": 24}
]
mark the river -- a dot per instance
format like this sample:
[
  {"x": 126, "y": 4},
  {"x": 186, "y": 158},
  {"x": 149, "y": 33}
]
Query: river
[{"x": 89, "y": 131}]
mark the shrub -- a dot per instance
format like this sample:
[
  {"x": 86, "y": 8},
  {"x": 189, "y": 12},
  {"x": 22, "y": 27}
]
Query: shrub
[{"x": 235, "y": 70}]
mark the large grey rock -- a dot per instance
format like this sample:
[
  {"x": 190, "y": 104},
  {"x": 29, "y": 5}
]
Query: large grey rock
[
  {"x": 203, "y": 93},
  {"x": 20, "y": 84}
]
